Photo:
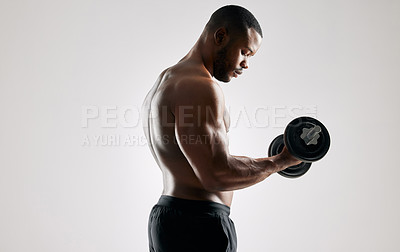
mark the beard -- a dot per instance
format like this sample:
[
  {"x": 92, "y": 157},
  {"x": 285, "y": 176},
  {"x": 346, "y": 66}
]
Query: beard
[{"x": 221, "y": 66}]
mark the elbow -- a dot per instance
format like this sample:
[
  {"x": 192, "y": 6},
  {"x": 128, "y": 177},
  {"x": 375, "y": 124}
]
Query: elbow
[
  {"x": 219, "y": 176},
  {"x": 217, "y": 182},
  {"x": 215, "y": 185}
]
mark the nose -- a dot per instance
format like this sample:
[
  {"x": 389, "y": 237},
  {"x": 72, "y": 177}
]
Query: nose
[{"x": 244, "y": 64}]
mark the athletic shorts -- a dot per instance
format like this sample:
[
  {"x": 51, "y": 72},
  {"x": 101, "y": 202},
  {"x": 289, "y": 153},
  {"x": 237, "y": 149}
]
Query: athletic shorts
[{"x": 177, "y": 225}]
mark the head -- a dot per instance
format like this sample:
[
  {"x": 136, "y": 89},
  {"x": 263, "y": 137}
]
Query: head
[{"x": 236, "y": 36}]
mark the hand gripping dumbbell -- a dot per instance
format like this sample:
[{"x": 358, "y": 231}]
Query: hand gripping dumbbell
[{"x": 307, "y": 139}]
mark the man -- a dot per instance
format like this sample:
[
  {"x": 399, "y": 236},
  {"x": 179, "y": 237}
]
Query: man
[{"x": 186, "y": 126}]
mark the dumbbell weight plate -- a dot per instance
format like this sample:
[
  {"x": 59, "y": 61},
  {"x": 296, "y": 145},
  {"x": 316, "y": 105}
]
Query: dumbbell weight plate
[
  {"x": 297, "y": 145},
  {"x": 295, "y": 171}
]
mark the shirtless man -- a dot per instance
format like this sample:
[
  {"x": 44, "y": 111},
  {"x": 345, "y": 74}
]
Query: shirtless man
[{"x": 186, "y": 124}]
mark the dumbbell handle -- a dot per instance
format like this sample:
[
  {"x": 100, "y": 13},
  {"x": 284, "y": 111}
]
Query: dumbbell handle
[{"x": 276, "y": 147}]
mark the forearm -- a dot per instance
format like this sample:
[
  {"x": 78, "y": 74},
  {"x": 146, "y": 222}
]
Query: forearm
[{"x": 241, "y": 172}]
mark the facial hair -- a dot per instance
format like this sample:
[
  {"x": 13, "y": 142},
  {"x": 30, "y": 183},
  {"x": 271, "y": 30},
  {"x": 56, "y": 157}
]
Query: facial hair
[{"x": 220, "y": 68}]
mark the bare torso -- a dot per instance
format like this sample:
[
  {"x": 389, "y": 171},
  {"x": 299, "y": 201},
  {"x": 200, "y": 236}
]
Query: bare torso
[{"x": 179, "y": 178}]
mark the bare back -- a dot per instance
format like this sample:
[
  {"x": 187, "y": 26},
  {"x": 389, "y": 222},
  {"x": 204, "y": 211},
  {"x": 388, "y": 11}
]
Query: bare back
[{"x": 179, "y": 177}]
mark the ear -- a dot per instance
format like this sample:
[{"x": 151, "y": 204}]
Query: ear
[{"x": 220, "y": 36}]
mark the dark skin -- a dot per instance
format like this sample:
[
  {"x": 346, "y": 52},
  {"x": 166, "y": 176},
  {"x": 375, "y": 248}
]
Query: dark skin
[{"x": 186, "y": 123}]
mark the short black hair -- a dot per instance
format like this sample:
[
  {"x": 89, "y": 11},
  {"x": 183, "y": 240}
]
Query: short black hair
[{"x": 234, "y": 18}]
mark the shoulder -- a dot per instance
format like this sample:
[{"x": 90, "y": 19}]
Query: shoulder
[
  {"x": 199, "y": 99},
  {"x": 199, "y": 89},
  {"x": 191, "y": 85}
]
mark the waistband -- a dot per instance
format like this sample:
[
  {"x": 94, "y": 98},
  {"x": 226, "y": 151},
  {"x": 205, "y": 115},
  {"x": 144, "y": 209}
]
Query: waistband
[{"x": 194, "y": 206}]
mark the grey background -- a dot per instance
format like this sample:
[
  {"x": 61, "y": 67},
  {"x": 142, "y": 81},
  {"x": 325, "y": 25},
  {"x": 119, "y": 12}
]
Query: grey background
[{"x": 335, "y": 60}]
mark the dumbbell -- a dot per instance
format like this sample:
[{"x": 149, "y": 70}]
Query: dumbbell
[{"x": 307, "y": 139}]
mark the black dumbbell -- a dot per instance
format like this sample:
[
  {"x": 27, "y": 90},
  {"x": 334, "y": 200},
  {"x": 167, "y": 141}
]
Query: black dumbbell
[{"x": 307, "y": 139}]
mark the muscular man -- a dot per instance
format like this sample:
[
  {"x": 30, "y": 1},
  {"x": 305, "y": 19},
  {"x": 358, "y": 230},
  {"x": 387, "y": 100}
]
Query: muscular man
[{"x": 186, "y": 124}]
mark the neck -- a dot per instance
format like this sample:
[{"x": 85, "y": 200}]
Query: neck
[{"x": 201, "y": 53}]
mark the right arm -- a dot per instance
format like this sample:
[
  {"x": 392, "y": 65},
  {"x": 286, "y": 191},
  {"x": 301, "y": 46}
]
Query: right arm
[{"x": 202, "y": 137}]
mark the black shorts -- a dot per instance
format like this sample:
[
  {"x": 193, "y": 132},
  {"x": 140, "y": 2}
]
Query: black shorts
[{"x": 190, "y": 225}]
